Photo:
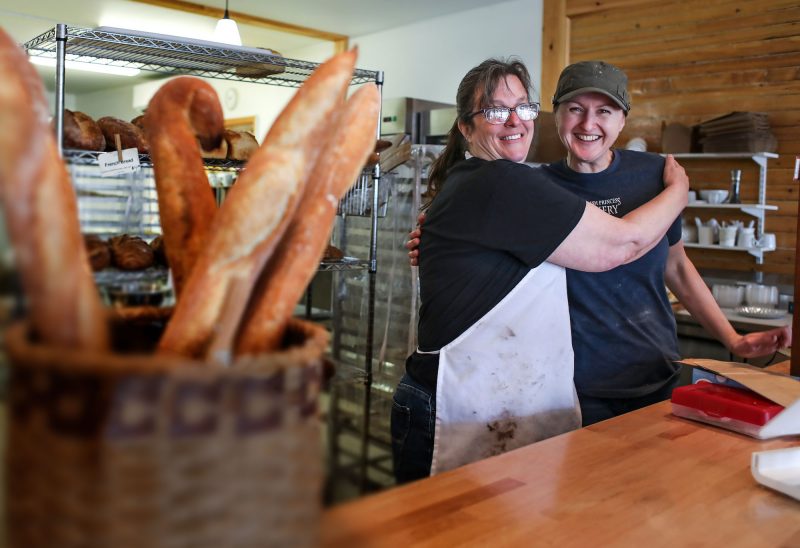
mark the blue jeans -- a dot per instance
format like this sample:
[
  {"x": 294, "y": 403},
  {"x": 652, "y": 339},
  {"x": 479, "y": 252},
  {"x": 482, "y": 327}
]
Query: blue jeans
[
  {"x": 599, "y": 409},
  {"x": 413, "y": 416}
]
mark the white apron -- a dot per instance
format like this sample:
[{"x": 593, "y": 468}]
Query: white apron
[{"x": 507, "y": 380}]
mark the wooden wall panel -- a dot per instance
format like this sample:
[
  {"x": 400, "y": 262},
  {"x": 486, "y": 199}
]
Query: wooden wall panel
[{"x": 693, "y": 60}]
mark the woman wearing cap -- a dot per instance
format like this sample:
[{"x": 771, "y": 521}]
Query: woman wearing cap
[
  {"x": 494, "y": 366},
  {"x": 623, "y": 328}
]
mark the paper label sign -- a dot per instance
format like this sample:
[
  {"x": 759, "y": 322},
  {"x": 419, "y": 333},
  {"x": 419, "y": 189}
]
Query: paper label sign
[{"x": 111, "y": 165}]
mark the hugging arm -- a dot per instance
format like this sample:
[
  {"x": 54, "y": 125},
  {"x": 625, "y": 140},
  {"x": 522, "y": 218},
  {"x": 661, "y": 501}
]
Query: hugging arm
[{"x": 601, "y": 242}]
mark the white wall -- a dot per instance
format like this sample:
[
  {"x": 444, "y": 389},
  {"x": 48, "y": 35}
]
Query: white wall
[{"x": 427, "y": 60}]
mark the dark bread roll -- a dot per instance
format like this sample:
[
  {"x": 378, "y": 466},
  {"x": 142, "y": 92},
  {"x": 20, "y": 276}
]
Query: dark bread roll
[
  {"x": 241, "y": 144},
  {"x": 130, "y": 135},
  {"x": 82, "y": 132},
  {"x": 220, "y": 153},
  {"x": 99, "y": 251},
  {"x": 159, "y": 253},
  {"x": 333, "y": 253},
  {"x": 131, "y": 253},
  {"x": 139, "y": 122}
]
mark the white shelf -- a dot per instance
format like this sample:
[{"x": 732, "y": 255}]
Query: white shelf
[
  {"x": 723, "y": 155},
  {"x": 754, "y": 251},
  {"x": 733, "y": 206},
  {"x": 757, "y": 209}
]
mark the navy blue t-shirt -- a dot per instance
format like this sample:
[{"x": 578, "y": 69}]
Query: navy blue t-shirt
[
  {"x": 492, "y": 222},
  {"x": 623, "y": 328}
]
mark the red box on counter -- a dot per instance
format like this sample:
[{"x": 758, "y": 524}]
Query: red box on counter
[
  {"x": 736, "y": 409},
  {"x": 752, "y": 401}
]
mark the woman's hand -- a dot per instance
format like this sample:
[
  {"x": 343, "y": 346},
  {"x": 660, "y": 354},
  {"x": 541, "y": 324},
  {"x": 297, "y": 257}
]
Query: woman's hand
[
  {"x": 674, "y": 174},
  {"x": 413, "y": 241},
  {"x": 762, "y": 343}
]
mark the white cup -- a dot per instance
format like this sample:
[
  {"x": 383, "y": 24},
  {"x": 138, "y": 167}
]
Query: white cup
[
  {"x": 767, "y": 241},
  {"x": 705, "y": 235},
  {"x": 747, "y": 237},
  {"x": 692, "y": 196},
  {"x": 727, "y": 236},
  {"x": 689, "y": 233}
]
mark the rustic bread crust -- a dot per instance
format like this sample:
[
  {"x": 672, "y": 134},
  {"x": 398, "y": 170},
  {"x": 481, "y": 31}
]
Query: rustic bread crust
[
  {"x": 130, "y": 135},
  {"x": 41, "y": 214},
  {"x": 256, "y": 213},
  {"x": 82, "y": 132},
  {"x": 183, "y": 111},
  {"x": 297, "y": 257}
]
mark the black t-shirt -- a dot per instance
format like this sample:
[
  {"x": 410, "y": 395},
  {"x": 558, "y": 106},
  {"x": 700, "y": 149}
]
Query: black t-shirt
[
  {"x": 492, "y": 222},
  {"x": 623, "y": 329}
]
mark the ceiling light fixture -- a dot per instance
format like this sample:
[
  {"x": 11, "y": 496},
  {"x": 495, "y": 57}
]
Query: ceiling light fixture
[
  {"x": 227, "y": 32},
  {"x": 88, "y": 67}
]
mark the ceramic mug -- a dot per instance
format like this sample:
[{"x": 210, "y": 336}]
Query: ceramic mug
[
  {"x": 767, "y": 241},
  {"x": 727, "y": 236},
  {"x": 747, "y": 237},
  {"x": 705, "y": 235}
]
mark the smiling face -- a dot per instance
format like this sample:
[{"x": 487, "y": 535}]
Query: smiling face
[
  {"x": 509, "y": 141},
  {"x": 588, "y": 125}
]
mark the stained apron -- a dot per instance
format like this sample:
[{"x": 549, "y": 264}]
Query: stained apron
[{"x": 507, "y": 380}]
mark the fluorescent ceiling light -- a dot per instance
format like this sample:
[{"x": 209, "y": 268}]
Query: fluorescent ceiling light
[
  {"x": 227, "y": 32},
  {"x": 89, "y": 67}
]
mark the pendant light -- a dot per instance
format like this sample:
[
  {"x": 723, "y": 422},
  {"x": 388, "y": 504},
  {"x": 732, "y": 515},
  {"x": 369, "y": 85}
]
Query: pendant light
[{"x": 227, "y": 32}]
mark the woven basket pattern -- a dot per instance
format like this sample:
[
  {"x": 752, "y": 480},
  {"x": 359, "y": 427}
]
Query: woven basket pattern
[{"x": 140, "y": 451}]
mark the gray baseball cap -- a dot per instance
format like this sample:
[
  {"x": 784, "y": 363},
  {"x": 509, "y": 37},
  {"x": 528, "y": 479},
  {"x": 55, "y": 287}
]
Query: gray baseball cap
[{"x": 597, "y": 76}]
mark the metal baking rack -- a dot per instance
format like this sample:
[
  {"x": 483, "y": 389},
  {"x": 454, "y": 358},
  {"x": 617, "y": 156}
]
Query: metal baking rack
[
  {"x": 175, "y": 55},
  {"x": 180, "y": 56},
  {"x": 89, "y": 158}
]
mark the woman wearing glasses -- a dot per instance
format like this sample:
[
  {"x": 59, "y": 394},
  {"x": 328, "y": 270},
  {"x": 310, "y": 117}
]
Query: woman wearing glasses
[{"x": 494, "y": 366}]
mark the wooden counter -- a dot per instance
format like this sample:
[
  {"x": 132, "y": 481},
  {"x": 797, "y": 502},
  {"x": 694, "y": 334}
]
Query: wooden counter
[{"x": 647, "y": 478}]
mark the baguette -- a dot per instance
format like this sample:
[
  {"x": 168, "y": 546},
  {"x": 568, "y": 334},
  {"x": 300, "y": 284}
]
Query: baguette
[
  {"x": 297, "y": 257},
  {"x": 256, "y": 213},
  {"x": 41, "y": 214},
  {"x": 183, "y": 111}
]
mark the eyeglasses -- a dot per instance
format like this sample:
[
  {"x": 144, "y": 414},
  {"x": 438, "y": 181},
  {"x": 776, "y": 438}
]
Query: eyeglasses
[{"x": 499, "y": 115}]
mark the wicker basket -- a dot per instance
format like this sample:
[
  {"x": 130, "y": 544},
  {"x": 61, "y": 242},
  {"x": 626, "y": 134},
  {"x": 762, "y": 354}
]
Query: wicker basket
[{"x": 138, "y": 450}]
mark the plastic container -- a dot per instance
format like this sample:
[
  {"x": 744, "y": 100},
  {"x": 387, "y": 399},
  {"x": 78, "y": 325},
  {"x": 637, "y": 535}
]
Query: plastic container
[
  {"x": 736, "y": 409},
  {"x": 728, "y": 296}
]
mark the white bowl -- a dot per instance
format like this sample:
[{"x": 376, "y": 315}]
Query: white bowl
[{"x": 714, "y": 196}]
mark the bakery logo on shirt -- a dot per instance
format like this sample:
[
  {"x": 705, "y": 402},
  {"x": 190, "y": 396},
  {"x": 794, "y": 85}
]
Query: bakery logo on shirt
[{"x": 610, "y": 206}]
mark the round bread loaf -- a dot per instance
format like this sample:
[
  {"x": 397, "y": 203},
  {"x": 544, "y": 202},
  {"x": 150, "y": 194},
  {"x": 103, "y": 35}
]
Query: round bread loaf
[
  {"x": 130, "y": 135},
  {"x": 159, "y": 253},
  {"x": 131, "y": 253},
  {"x": 241, "y": 144},
  {"x": 82, "y": 132},
  {"x": 99, "y": 251}
]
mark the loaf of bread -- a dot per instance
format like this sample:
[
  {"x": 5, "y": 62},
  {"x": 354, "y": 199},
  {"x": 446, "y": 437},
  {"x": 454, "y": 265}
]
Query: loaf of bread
[
  {"x": 183, "y": 111},
  {"x": 82, "y": 132},
  {"x": 131, "y": 253},
  {"x": 41, "y": 214},
  {"x": 130, "y": 135},
  {"x": 332, "y": 253},
  {"x": 255, "y": 215},
  {"x": 99, "y": 252},
  {"x": 241, "y": 145},
  {"x": 159, "y": 253},
  {"x": 218, "y": 153},
  {"x": 139, "y": 122},
  {"x": 297, "y": 257}
]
